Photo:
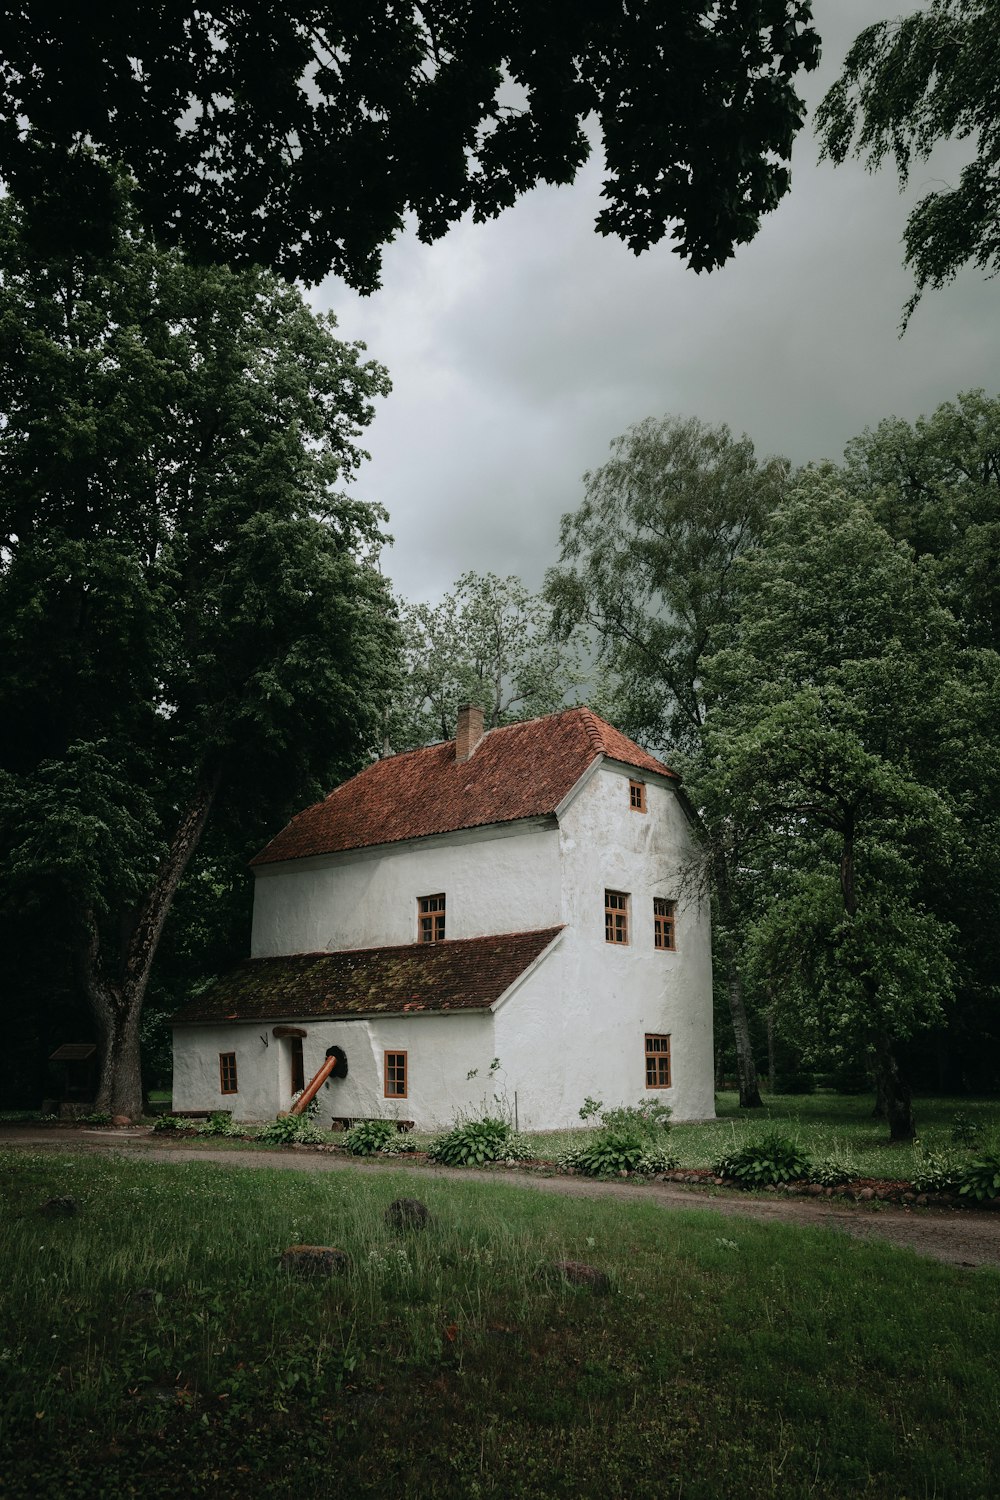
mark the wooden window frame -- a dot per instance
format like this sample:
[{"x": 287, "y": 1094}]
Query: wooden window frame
[
  {"x": 616, "y": 918},
  {"x": 664, "y": 924},
  {"x": 228, "y": 1076},
  {"x": 431, "y": 919},
  {"x": 637, "y": 796},
  {"x": 659, "y": 1074},
  {"x": 394, "y": 1068}
]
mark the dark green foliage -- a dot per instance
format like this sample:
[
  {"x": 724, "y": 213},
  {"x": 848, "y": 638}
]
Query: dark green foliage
[
  {"x": 649, "y": 1120},
  {"x": 194, "y": 629},
  {"x": 311, "y": 133},
  {"x": 470, "y": 1143},
  {"x": 908, "y": 84},
  {"x": 934, "y": 1172},
  {"x": 610, "y": 1153},
  {"x": 965, "y": 1131},
  {"x": 766, "y": 1162},
  {"x": 829, "y": 1172},
  {"x": 290, "y": 1130},
  {"x": 369, "y": 1137},
  {"x": 981, "y": 1178}
]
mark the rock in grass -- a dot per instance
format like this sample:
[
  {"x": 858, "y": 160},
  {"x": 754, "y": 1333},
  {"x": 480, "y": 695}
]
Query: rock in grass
[
  {"x": 579, "y": 1274},
  {"x": 407, "y": 1213},
  {"x": 315, "y": 1260},
  {"x": 60, "y": 1208}
]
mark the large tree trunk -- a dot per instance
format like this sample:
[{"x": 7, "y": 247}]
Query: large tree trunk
[
  {"x": 117, "y": 1004},
  {"x": 895, "y": 1090}
]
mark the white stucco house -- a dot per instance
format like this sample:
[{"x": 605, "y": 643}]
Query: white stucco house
[{"x": 516, "y": 895}]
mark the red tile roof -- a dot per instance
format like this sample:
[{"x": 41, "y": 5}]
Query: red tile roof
[
  {"x": 521, "y": 771},
  {"x": 466, "y": 974}
]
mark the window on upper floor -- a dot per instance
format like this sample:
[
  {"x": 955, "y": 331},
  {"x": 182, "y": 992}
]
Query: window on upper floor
[
  {"x": 664, "y": 933},
  {"x": 637, "y": 796},
  {"x": 430, "y": 919},
  {"x": 227, "y": 1072},
  {"x": 657, "y": 1061},
  {"x": 395, "y": 1075},
  {"x": 616, "y": 916}
]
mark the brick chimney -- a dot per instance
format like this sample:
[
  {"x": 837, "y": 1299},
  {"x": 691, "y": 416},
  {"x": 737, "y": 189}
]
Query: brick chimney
[{"x": 469, "y": 731}]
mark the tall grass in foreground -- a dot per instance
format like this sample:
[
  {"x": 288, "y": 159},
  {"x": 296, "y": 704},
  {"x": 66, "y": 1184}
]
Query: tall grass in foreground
[{"x": 152, "y": 1346}]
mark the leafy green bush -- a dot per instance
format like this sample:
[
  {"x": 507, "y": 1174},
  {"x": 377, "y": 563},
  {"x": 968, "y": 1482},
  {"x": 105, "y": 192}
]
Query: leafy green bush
[
  {"x": 964, "y": 1130},
  {"x": 219, "y": 1123},
  {"x": 97, "y": 1117},
  {"x": 933, "y": 1172},
  {"x": 172, "y": 1123},
  {"x": 764, "y": 1163},
  {"x": 649, "y": 1120},
  {"x": 829, "y": 1172},
  {"x": 291, "y": 1130},
  {"x": 369, "y": 1137},
  {"x": 981, "y": 1178},
  {"x": 470, "y": 1143},
  {"x": 607, "y": 1154},
  {"x": 656, "y": 1159}
]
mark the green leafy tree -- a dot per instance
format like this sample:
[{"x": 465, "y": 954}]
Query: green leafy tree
[
  {"x": 300, "y": 136},
  {"x": 648, "y": 563},
  {"x": 191, "y": 620},
  {"x": 936, "y": 485},
  {"x": 908, "y": 84},
  {"x": 831, "y": 711},
  {"x": 488, "y": 642}
]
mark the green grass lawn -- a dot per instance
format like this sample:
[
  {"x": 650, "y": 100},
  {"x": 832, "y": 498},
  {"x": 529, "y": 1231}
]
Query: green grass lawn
[
  {"x": 152, "y": 1346},
  {"x": 824, "y": 1124}
]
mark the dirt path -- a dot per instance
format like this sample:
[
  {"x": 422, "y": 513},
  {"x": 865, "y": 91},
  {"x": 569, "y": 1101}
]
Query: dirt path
[{"x": 959, "y": 1238}]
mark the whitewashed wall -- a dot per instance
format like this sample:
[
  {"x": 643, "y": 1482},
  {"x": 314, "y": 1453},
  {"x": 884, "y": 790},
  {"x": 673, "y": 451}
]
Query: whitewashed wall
[
  {"x": 368, "y": 898},
  {"x": 575, "y": 1026},
  {"x": 441, "y": 1051}
]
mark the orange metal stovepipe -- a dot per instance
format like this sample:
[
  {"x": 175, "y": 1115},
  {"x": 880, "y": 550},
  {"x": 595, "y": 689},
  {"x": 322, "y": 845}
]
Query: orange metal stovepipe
[{"x": 315, "y": 1084}]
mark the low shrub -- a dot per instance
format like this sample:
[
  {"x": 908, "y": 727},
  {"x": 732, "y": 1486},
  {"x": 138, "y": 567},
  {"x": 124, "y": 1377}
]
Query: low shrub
[
  {"x": 656, "y": 1159},
  {"x": 964, "y": 1130},
  {"x": 219, "y": 1123},
  {"x": 606, "y": 1154},
  {"x": 470, "y": 1143},
  {"x": 172, "y": 1123},
  {"x": 771, "y": 1160},
  {"x": 369, "y": 1137},
  {"x": 648, "y": 1120},
  {"x": 291, "y": 1130},
  {"x": 980, "y": 1179},
  {"x": 829, "y": 1172},
  {"x": 933, "y": 1172}
]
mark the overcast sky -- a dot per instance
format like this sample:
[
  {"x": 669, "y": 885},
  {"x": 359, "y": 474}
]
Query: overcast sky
[{"x": 519, "y": 349}]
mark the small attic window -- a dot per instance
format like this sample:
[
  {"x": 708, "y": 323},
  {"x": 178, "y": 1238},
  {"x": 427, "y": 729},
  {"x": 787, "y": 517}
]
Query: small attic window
[
  {"x": 430, "y": 918},
  {"x": 637, "y": 796}
]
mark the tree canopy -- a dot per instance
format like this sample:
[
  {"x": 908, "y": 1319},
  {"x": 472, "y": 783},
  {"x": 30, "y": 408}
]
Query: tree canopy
[
  {"x": 193, "y": 625},
  {"x": 300, "y": 136},
  {"x": 907, "y": 85},
  {"x": 489, "y": 642}
]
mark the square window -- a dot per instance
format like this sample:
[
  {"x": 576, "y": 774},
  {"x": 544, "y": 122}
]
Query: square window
[
  {"x": 657, "y": 1061},
  {"x": 430, "y": 919},
  {"x": 395, "y": 1075},
  {"x": 664, "y": 931},
  {"x": 227, "y": 1072},
  {"x": 637, "y": 796},
  {"x": 615, "y": 916}
]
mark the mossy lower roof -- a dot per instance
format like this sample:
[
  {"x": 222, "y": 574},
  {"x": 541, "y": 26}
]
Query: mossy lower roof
[{"x": 468, "y": 974}]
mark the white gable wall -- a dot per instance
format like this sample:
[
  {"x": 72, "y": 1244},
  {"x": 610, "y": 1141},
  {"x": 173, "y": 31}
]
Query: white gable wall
[
  {"x": 441, "y": 1051},
  {"x": 494, "y": 881},
  {"x": 613, "y": 995}
]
